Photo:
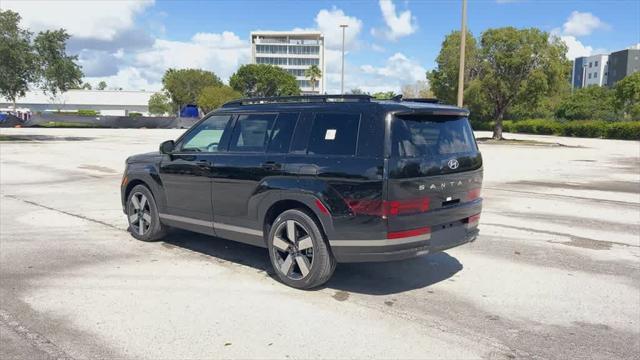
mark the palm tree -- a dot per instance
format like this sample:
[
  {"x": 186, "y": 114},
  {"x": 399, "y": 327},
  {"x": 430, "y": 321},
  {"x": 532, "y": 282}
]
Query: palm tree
[{"x": 313, "y": 73}]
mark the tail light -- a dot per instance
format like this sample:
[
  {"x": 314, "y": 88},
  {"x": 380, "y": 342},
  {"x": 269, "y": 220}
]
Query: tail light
[
  {"x": 386, "y": 208},
  {"x": 473, "y": 194},
  {"x": 472, "y": 221}
]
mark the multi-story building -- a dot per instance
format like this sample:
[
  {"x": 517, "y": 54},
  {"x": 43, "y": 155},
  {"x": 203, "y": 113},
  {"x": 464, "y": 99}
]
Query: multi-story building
[
  {"x": 623, "y": 63},
  {"x": 294, "y": 51},
  {"x": 590, "y": 70}
]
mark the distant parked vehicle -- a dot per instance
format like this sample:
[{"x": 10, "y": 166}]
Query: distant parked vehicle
[{"x": 315, "y": 179}]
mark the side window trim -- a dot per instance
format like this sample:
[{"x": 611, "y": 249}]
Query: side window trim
[
  {"x": 302, "y": 133},
  {"x": 275, "y": 122}
]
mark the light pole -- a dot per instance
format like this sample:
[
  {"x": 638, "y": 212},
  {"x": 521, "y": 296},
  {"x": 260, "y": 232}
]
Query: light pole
[
  {"x": 463, "y": 42},
  {"x": 343, "y": 26}
]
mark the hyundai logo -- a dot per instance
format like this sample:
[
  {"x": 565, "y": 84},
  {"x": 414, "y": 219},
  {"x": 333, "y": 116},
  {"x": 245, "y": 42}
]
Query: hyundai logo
[{"x": 453, "y": 164}]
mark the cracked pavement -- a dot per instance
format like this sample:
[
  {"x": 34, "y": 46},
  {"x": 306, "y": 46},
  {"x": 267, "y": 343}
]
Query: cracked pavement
[{"x": 554, "y": 274}]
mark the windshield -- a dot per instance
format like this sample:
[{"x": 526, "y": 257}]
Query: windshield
[{"x": 430, "y": 136}]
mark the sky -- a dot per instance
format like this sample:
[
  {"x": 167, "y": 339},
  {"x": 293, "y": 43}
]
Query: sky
[{"x": 130, "y": 44}]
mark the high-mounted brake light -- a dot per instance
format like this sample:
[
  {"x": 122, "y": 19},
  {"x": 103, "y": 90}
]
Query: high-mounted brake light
[{"x": 389, "y": 208}]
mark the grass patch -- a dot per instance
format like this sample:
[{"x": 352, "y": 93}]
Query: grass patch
[
  {"x": 488, "y": 140},
  {"x": 68, "y": 124},
  {"x": 10, "y": 138}
]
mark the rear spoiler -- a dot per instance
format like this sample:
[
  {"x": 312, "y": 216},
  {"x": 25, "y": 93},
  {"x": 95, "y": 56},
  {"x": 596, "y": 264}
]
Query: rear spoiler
[{"x": 434, "y": 111}]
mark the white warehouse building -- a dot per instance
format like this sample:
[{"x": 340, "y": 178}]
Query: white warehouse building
[
  {"x": 106, "y": 102},
  {"x": 294, "y": 51}
]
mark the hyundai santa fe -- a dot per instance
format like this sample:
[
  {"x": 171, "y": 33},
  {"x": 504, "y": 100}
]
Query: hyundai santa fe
[{"x": 317, "y": 180}]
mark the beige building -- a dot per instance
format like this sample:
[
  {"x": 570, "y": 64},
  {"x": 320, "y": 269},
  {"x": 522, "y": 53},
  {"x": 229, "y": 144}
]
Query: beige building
[{"x": 294, "y": 51}]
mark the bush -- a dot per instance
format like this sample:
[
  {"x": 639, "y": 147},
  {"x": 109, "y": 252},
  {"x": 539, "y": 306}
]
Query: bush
[
  {"x": 482, "y": 125},
  {"x": 135, "y": 114},
  {"x": 625, "y": 130},
  {"x": 588, "y": 129},
  {"x": 83, "y": 112},
  {"x": 536, "y": 126}
]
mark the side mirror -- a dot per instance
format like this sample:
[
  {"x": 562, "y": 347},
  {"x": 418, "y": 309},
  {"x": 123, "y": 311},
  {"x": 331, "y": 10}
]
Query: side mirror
[{"x": 167, "y": 147}]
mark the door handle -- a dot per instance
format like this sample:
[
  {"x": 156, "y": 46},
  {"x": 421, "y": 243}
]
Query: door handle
[{"x": 271, "y": 165}]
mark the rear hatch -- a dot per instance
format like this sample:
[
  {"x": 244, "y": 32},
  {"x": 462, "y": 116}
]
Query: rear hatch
[{"x": 434, "y": 175}]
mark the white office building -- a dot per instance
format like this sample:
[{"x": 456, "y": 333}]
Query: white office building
[
  {"x": 590, "y": 70},
  {"x": 294, "y": 51},
  {"x": 105, "y": 102}
]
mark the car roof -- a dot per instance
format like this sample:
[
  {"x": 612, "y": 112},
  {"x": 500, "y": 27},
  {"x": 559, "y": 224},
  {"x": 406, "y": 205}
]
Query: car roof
[{"x": 346, "y": 103}]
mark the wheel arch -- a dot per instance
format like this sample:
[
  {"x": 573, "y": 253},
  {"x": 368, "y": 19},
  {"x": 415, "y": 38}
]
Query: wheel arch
[
  {"x": 149, "y": 182},
  {"x": 296, "y": 201}
]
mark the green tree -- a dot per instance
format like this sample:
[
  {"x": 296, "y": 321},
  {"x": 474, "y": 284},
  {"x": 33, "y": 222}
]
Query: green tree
[
  {"x": 518, "y": 66},
  {"x": 159, "y": 104},
  {"x": 58, "y": 71},
  {"x": 593, "y": 102},
  {"x": 17, "y": 59},
  {"x": 314, "y": 74},
  {"x": 86, "y": 86},
  {"x": 260, "y": 80},
  {"x": 627, "y": 96},
  {"x": 102, "y": 85},
  {"x": 443, "y": 80},
  {"x": 185, "y": 85},
  {"x": 357, "y": 91},
  {"x": 212, "y": 97},
  {"x": 384, "y": 95}
]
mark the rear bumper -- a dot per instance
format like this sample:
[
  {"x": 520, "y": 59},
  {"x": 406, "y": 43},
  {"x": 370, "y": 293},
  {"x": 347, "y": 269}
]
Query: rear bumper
[{"x": 387, "y": 250}]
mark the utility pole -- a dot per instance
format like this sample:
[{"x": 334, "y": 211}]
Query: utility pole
[
  {"x": 343, "y": 26},
  {"x": 463, "y": 43}
]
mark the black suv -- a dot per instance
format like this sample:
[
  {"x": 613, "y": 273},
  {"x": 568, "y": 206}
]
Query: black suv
[{"x": 316, "y": 180}]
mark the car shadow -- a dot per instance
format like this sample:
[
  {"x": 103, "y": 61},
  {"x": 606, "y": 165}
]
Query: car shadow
[{"x": 364, "y": 278}]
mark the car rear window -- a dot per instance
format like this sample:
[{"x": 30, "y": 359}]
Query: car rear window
[
  {"x": 431, "y": 136},
  {"x": 334, "y": 134}
]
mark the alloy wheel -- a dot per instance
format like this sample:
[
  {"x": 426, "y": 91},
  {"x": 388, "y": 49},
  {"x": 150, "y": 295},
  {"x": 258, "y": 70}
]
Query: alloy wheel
[
  {"x": 293, "y": 250},
  {"x": 139, "y": 214}
]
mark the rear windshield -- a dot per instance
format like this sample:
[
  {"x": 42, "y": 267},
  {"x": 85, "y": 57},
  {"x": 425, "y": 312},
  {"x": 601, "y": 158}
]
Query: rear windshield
[{"x": 431, "y": 136}]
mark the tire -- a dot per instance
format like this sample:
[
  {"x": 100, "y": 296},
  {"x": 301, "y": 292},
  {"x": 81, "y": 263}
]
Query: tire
[
  {"x": 304, "y": 262},
  {"x": 152, "y": 229}
]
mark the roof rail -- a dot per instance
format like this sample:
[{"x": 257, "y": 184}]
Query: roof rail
[{"x": 298, "y": 99}]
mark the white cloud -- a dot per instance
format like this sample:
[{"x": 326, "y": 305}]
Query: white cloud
[
  {"x": 582, "y": 23},
  {"x": 398, "y": 25},
  {"x": 397, "y": 71},
  {"x": 575, "y": 48},
  {"x": 84, "y": 19},
  {"x": 377, "y": 48},
  {"x": 127, "y": 78},
  {"x": 328, "y": 22},
  {"x": 220, "y": 53},
  {"x": 579, "y": 24}
]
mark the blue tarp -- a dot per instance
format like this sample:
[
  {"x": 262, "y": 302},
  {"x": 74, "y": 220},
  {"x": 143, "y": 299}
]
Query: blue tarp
[{"x": 189, "y": 111}]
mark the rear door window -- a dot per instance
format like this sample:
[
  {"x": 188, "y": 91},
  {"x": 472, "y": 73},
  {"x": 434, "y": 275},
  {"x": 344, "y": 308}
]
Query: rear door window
[
  {"x": 280, "y": 135},
  {"x": 431, "y": 137},
  {"x": 334, "y": 134},
  {"x": 251, "y": 132}
]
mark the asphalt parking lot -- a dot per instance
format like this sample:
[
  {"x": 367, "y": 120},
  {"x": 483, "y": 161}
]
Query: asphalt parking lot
[{"x": 554, "y": 274}]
